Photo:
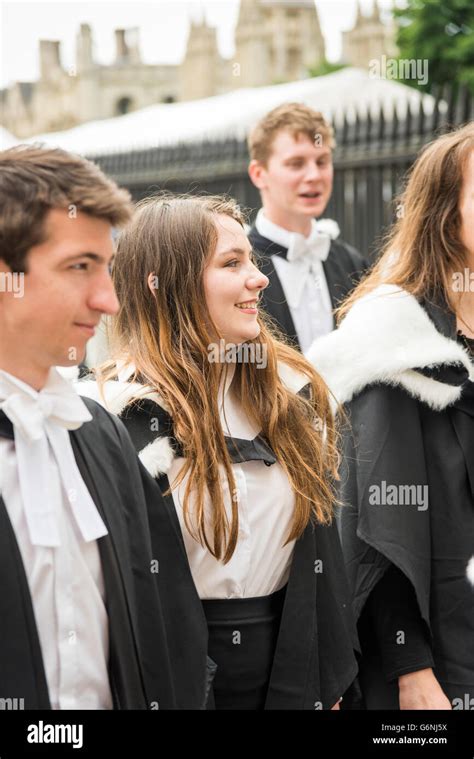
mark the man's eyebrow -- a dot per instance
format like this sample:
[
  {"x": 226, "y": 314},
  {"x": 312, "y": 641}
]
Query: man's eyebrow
[
  {"x": 91, "y": 256},
  {"x": 296, "y": 156}
]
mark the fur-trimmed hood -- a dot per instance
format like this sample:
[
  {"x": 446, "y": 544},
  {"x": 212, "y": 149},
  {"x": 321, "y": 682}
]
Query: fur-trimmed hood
[
  {"x": 156, "y": 450},
  {"x": 385, "y": 338}
]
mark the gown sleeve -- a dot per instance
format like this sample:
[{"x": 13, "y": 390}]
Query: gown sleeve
[
  {"x": 183, "y": 615},
  {"x": 400, "y": 632},
  {"x": 384, "y": 447}
]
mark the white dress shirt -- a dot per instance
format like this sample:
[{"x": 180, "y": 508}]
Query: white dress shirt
[
  {"x": 261, "y": 563},
  {"x": 303, "y": 280},
  {"x": 67, "y": 592}
]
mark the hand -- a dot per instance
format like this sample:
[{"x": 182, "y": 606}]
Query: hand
[{"x": 421, "y": 690}]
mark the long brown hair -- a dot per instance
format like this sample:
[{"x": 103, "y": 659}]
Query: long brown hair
[
  {"x": 424, "y": 248},
  {"x": 166, "y": 334}
]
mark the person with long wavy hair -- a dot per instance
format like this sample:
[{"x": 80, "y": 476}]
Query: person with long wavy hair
[
  {"x": 401, "y": 361},
  {"x": 84, "y": 623},
  {"x": 236, "y": 427}
]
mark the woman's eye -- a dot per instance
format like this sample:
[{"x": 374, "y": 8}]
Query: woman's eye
[{"x": 232, "y": 263}]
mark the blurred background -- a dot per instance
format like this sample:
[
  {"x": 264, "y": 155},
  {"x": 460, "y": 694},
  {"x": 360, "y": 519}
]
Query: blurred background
[{"x": 162, "y": 94}]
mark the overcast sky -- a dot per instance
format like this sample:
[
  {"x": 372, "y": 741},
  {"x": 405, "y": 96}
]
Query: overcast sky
[{"x": 163, "y": 28}]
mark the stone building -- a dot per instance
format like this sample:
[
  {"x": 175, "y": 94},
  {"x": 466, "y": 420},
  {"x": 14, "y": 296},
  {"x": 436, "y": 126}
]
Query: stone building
[
  {"x": 275, "y": 41},
  {"x": 369, "y": 39},
  {"x": 62, "y": 98}
]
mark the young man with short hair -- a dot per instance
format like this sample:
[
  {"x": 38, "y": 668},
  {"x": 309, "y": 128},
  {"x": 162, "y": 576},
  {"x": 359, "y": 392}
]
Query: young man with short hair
[
  {"x": 310, "y": 270},
  {"x": 98, "y": 609}
]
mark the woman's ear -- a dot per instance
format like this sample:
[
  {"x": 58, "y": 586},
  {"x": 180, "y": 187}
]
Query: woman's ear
[{"x": 152, "y": 282}]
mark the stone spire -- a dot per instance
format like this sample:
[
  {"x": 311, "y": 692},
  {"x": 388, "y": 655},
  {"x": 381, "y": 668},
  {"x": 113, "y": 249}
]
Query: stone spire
[
  {"x": 251, "y": 46},
  {"x": 250, "y": 13},
  {"x": 84, "y": 49},
  {"x": 50, "y": 59},
  {"x": 198, "y": 72},
  {"x": 376, "y": 12}
]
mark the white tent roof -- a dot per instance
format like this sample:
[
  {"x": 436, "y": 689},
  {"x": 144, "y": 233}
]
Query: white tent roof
[
  {"x": 232, "y": 114},
  {"x": 7, "y": 140}
]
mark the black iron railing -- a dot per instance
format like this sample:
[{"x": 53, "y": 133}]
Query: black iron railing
[{"x": 374, "y": 151}]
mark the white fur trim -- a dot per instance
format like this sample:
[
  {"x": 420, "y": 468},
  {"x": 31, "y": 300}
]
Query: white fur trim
[
  {"x": 116, "y": 395},
  {"x": 470, "y": 570},
  {"x": 383, "y": 338},
  {"x": 292, "y": 379},
  {"x": 157, "y": 456}
]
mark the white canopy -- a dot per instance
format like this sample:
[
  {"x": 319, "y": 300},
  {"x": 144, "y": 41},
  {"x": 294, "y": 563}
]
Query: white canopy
[
  {"x": 7, "y": 140},
  {"x": 234, "y": 113}
]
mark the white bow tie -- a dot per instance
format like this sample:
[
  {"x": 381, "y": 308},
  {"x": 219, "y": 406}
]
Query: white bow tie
[
  {"x": 315, "y": 247},
  {"x": 41, "y": 420}
]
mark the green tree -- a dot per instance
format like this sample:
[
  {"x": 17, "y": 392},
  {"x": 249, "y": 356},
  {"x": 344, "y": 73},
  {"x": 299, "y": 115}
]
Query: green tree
[
  {"x": 441, "y": 32},
  {"x": 326, "y": 68}
]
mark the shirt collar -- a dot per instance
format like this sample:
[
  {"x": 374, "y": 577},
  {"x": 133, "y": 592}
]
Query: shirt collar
[
  {"x": 55, "y": 382},
  {"x": 272, "y": 231},
  {"x": 284, "y": 237},
  {"x": 226, "y": 380}
]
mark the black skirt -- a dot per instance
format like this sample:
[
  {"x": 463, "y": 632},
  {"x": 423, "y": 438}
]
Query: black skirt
[{"x": 243, "y": 634}]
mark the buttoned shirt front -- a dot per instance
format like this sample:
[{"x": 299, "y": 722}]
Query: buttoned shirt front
[
  {"x": 302, "y": 279},
  {"x": 261, "y": 562}
]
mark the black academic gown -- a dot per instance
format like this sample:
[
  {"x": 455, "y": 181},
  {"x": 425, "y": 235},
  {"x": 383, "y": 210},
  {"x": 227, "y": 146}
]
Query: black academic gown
[
  {"x": 157, "y": 630},
  {"x": 343, "y": 269},
  {"x": 400, "y": 440},
  {"x": 314, "y": 661}
]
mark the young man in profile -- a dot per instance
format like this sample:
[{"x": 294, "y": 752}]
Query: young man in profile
[
  {"x": 310, "y": 270},
  {"x": 98, "y": 609}
]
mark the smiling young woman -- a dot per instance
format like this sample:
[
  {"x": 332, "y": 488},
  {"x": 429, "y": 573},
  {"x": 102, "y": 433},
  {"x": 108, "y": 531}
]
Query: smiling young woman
[{"x": 244, "y": 452}]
